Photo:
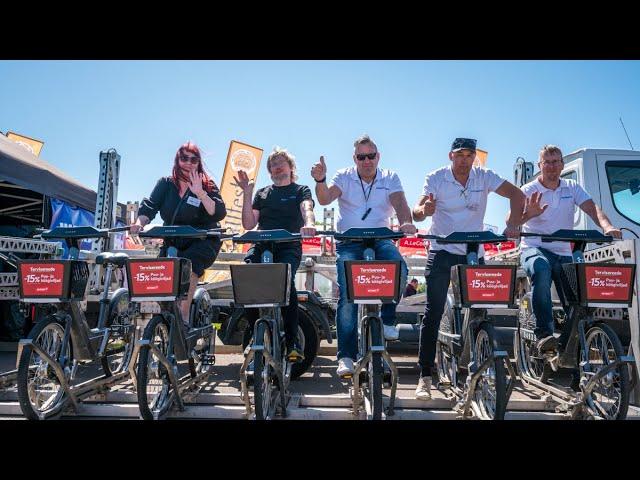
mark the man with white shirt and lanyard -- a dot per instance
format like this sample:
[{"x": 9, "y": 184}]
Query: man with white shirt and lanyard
[
  {"x": 367, "y": 196},
  {"x": 550, "y": 206},
  {"x": 455, "y": 197}
]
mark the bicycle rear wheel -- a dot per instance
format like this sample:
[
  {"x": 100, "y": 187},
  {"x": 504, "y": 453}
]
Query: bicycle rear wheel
[
  {"x": 153, "y": 382},
  {"x": 264, "y": 393},
  {"x": 373, "y": 391},
  {"x": 490, "y": 395},
  {"x": 610, "y": 396}
]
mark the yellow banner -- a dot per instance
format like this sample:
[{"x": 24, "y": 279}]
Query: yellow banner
[
  {"x": 240, "y": 157},
  {"x": 481, "y": 158},
  {"x": 31, "y": 144}
]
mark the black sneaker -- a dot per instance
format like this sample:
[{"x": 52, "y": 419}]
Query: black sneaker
[{"x": 547, "y": 343}]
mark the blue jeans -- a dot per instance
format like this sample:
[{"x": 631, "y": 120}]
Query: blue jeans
[
  {"x": 542, "y": 266},
  {"x": 347, "y": 315}
]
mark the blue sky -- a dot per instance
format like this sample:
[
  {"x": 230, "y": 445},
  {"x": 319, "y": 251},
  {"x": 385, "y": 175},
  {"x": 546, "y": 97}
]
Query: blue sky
[{"x": 412, "y": 109}]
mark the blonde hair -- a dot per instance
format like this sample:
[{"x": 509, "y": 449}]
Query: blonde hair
[
  {"x": 549, "y": 150},
  {"x": 291, "y": 160}
]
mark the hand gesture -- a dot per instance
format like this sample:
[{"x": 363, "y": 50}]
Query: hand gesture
[
  {"x": 532, "y": 207},
  {"x": 614, "y": 232},
  {"x": 319, "y": 170},
  {"x": 429, "y": 206},
  {"x": 243, "y": 182},
  {"x": 408, "y": 228},
  {"x": 136, "y": 228},
  {"x": 309, "y": 231},
  {"x": 195, "y": 183}
]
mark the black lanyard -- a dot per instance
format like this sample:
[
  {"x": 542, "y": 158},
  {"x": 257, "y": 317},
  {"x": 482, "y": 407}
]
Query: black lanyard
[{"x": 367, "y": 195}]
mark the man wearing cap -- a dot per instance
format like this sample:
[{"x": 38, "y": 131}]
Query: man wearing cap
[
  {"x": 455, "y": 196},
  {"x": 367, "y": 196},
  {"x": 550, "y": 206}
]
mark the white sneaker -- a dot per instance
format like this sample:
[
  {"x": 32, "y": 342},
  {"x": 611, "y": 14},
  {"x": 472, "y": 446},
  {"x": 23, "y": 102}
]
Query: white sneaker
[
  {"x": 391, "y": 332},
  {"x": 423, "y": 390},
  {"x": 345, "y": 368}
]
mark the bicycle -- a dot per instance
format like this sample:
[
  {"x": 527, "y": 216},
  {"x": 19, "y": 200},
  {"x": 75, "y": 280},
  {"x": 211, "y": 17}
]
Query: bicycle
[
  {"x": 266, "y": 286},
  {"x": 164, "y": 344},
  {"x": 62, "y": 340},
  {"x": 591, "y": 345},
  {"x": 468, "y": 347},
  {"x": 371, "y": 283}
]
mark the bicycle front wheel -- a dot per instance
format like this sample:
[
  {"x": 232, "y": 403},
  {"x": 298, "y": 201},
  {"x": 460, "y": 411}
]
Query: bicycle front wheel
[
  {"x": 610, "y": 396},
  {"x": 490, "y": 395},
  {"x": 40, "y": 391},
  {"x": 375, "y": 370},
  {"x": 153, "y": 382},
  {"x": 264, "y": 393}
]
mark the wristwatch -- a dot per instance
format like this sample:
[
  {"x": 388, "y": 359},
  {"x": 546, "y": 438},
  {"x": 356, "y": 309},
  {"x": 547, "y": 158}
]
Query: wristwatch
[{"x": 324, "y": 179}]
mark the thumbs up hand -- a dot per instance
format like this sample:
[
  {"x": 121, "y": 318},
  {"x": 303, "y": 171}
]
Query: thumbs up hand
[
  {"x": 319, "y": 170},
  {"x": 429, "y": 205}
]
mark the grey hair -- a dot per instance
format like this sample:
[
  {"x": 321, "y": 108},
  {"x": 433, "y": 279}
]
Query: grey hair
[
  {"x": 291, "y": 160},
  {"x": 364, "y": 140}
]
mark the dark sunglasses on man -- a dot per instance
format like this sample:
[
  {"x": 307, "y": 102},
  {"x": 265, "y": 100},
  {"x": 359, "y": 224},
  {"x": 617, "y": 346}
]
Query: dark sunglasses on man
[{"x": 370, "y": 156}]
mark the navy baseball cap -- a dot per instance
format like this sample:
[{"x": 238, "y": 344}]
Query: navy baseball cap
[{"x": 463, "y": 144}]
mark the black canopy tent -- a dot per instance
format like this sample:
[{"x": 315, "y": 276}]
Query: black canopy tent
[{"x": 25, "y": 183}]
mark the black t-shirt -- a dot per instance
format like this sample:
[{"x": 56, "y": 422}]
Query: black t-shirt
[
  {"x": 280, "y": 206},
  {"x": 165, "y": 199}
]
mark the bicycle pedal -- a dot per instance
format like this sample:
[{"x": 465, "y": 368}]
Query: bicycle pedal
[{"x": 208, "y": 359}]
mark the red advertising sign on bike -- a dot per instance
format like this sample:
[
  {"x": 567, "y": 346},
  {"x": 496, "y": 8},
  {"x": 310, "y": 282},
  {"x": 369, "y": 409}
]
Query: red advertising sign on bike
[
  {"x": 42, "y": 279},
  {"x": 373, "y": 279},
  {"x": 152, "y": 278},
  {"x": 489, "y": 284},
  {"x": 608, "y": 283}
]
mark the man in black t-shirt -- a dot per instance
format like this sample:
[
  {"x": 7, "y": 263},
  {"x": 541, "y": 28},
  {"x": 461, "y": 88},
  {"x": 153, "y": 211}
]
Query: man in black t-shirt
[{"x": 286, "y": 205}]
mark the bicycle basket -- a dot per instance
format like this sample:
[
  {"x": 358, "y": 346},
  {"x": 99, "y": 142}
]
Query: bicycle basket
[
  {"x": 483, "y": 285},
  {"x": 597, "y": 284},
  {"x": 265, "y": 284},
  {"x": 376, "y": 281},
  {"x": 159, "y": 279},
  {"x": 52, "y": 280}
]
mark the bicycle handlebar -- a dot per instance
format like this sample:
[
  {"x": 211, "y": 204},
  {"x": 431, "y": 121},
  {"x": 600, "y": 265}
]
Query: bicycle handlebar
[
  {"x": 566, "y": 235},
  {"x": 362, "y": 234},
  {"x": 80, "y": 232},
  {"x": 180, "y": 231},
  {"x": 262, "y": 236},
  {"x": 466, "y": 237}
]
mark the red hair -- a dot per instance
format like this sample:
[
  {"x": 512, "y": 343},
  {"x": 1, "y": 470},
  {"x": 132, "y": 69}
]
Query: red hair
[{"x": 207, "y": 182}]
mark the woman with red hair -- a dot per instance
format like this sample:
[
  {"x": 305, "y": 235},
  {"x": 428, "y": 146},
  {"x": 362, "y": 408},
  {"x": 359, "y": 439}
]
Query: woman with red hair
[{"x": 188, "y": 197}]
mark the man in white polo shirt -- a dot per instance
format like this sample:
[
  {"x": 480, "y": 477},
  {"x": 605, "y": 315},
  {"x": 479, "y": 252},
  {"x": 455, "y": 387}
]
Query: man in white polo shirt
[
  {"x": 455, "y": 197},
  {"x": 367, "y": 196},
  {"x": 550, "y": 206}
]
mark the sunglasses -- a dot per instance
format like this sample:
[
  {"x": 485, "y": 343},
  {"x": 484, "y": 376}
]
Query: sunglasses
[
  {"x": 193, "y": 160},
  {"x": 370, "y": 156}
]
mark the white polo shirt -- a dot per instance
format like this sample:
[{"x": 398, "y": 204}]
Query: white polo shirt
[
  {"x": 352, "y": 204},
  {"x": 559, "y": 214},
  {"x": 459, "y": 208}
]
